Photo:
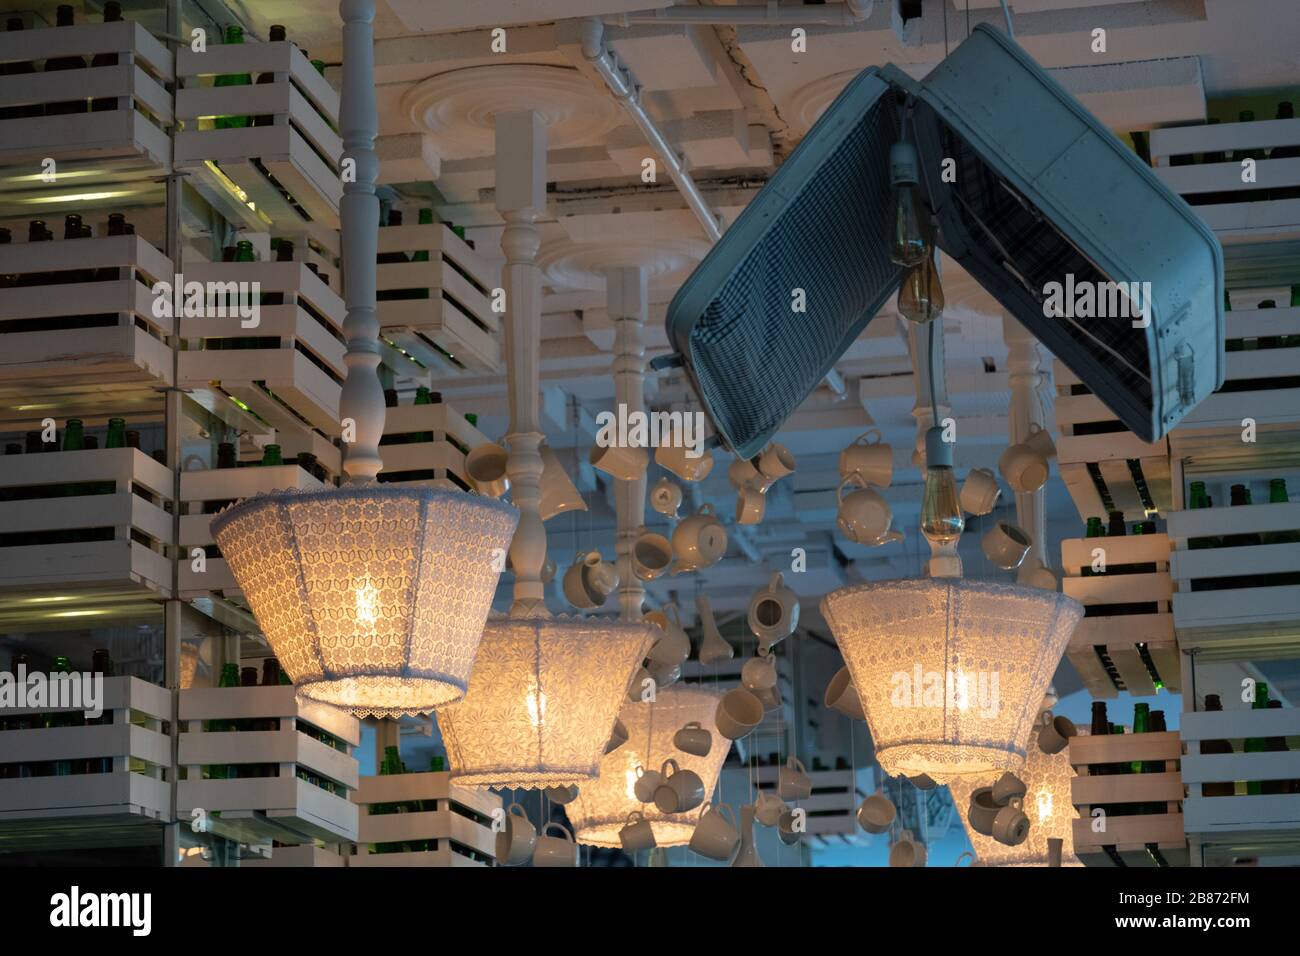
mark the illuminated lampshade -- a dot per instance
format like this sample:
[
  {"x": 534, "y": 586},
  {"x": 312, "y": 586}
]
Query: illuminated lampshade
[
  {"x": 1047, "y": 804},
  {"x": 603, "y": 805},
  {"x": 372, "y": 597},
  {"x": 541, "y": 701},
  {"x": 950, "y": 672}
]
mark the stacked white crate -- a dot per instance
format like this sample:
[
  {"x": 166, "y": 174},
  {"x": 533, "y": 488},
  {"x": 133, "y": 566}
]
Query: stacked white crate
[
  {"x": 449, "y": 436},
  {"x": 459, "y": 823}
]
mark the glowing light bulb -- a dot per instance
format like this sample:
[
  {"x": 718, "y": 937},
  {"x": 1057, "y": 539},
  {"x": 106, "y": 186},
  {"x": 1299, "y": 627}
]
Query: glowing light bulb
[
  {"x": 920, "y": 297},
  {"x": 1044, "y": 805},
  {"x": 942, "y": 521},
  {"x": 908, "y": 244},
  {"x": 368, "y": 605},
  {"x": 536, "y": 704}
]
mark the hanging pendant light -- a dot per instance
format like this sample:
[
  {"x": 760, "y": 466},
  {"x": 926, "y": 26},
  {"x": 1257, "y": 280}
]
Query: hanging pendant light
[
  {"x": 603, "y": 805},
  {"x": 541, "y": 701},
  {"x": 373, "y": 597},
  {"x": 950, "y": 672},
  {"x": 1047, "y": 803}
]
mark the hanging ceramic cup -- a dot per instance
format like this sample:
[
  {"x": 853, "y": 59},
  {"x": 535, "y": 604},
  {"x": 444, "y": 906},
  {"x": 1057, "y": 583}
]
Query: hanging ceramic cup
[
  {"x": 738, "y": 713},
  {"x": 877, "y": 813},
  {"x": 1011, "y": 826},
  {"x": 787, "y": 828},
  {"x": 1055, "y": 846},
  {"x": 872, "y": 459},
  {"x": 699, "y": 540},
  {"x": 647, "y": 782},
  {"x": 624, "y": 462},
  {"x": 907, "y": 852},
  {"x": 792, "y": 781},
  {"x": 516, "y": 840},
  {"x": 716, "y": 834},
  {"x": 1005, "y": 545},
  {"x": 776, "y": 462},
  {"x": 1024, "y": 468},
  {"x": 637, "y": 833},
  {"x": 679, "y": 790},
  {"x": 713, "y": 646},
  {"x": 742, "y": 474},
  {"x": 666, "y": 497},
  {"x": 679, "y": 460},
  {"x": 652, "y": 554},
  {"x": 751, "y": 505},
  {"x": 864, "y": 515},
  {"x": 1054, "y": 734},
  {"x": 562, "y": 795},
  {"x": 555, "y": 851},
  {"x": 1008, "y": 787},
  {"x": 773, "y": 612},
  {"x": 575, "y": 588},
  {"x": 769, "y": 807},
  {"x": 759, "y": 673},
  {"x": 673, "y": 645},
  {"x": 1040, "y": 440},
  {"x": 983, "y": 810},
  {"x": 980, "y": 491},
  {"x": 842, "y": 696},
  {"x": 485, "y": 467},
  {"x": 693, "y": 739}
]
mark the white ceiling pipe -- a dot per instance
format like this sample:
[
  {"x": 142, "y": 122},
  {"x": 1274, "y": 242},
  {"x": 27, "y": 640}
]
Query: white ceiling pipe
[
  {"x": 842, "y": 14},
  {"x": 624, "y": 88}
]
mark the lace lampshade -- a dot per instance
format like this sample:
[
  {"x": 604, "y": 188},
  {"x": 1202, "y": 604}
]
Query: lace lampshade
[
  {"x": 372, "y": 597},
  {"x": 1047, "y": 804},
  {"x": 950, "y": 672},
  {"x": 541, "y": 701},
  {"x": 603, "y": 805}
]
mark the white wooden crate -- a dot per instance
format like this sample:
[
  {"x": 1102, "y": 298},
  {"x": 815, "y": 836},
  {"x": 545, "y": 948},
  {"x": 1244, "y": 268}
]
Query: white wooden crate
[
  {"x": 124, "y": 562},
  {"x": 444, "y": 455},
  {"x": 57, "y": 811},
  {"x": 1130, "y": 837},
  {"x": 1242, "y": 818},
  {"x": 135, "y": 130},
  {"x": 302, "y": 378},
  {"x": 1251, "y": 620},
  {"x": 1121, "y": 640},
  {"x": 283, "y": 807},
  {"x": 223, "y": 484},
  {"x": 306, "y": 855},
  {"x": 1255, "y": 218},
  {"x": 455, "y": 323},
  {"x": 1109, "y": 470},
  {"x": 832, "y": 808},
  {"x": 249, "y": 170},
  {"x": 457, "y": 821},
  {"x": 64, "y": 371}
]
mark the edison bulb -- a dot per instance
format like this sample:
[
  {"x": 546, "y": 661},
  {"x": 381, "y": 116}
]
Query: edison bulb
[
  {"x": 920, "y": 297},
  {"x": 942, "y": 521},
  {"x": 908, "y": 244}
]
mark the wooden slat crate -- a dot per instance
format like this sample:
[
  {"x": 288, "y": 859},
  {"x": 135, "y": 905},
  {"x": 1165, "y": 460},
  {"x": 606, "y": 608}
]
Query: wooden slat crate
[
  {"x": 452, "y": 325},
  {"x": 832, "y": 808},
  {"x": 439, "y": 461},
  {"x": 283, "y": 807},
  {"x": 1115, "y": 652},
  {"x": 223, "y": 485},
  {"x": 1258, "y": 618},
  {"x": 453, "y": 824},
  {"x": 294, "y": 387},
  {"x": 122, "y": 800},
  {"x": 287, "y": 170},
  {"x": 1106, "y": 467},
  {"x": 1244, "y": 819},
  {"x": 1255, "y": 216},
  {"x": 110, "y": 540},
  {"x": 63, "y": 343},
  {"x": 1140, "y": 839},
  {"x": 135, "y": 130}
]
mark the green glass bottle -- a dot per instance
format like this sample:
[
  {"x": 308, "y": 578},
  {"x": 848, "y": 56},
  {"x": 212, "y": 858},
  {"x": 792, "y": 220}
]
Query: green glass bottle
[
  {"x": 277, "y": 34},
  {"x": 112, "y": 14},
  {"x": 62, "y": 768},
  {"x": 271, "y": 456},
  {"x": 1277, "y": 495},
  {"x": 74, "y": 435},
  {"x": 229, "y": 678},
  {"x": 319, "y": 65},
  {"x": 422, "y": 255},
  {"x": 234, "y": 35},
  {"x": 65, "y": 17},
  {"x": 1275, "y": 745},
  {"x": 116, "y": 437},
  {"x": 1141, "y": 725},
  {"x": 1257, "y": 745},
  {"x": 1213, "y": 704}
]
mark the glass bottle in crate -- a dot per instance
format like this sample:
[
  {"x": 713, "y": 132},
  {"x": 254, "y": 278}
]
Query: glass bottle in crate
[
  {"x": 271, "y": 456},
  {"x": 276, "y": 34},
  {"x": 229, "y": 678},
  {"x": 1209, "y": 747},
  {"x": 19, "y": 69},
  {"x": 1275, "y": 745},
  {"x": 1255, "y": 745},
  {"x": 234, "y": 36},
  {"x": 423, "y": 397},
  {"x": 65, "y": 17},
  {"x": 1240, "y": 496},
  {"x": 112, "y": 14}
]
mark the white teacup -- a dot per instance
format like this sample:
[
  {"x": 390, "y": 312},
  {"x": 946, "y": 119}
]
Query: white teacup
[
  {"x": 623, "y": 462},
  {"x": 738, "y": 712},
  {"x": 877, "y": 813},
  {"x": 562, "y": 795},
  {"x": 716, "y": 834},
  {"x": 679, "y": 790},
  {"x": 980, "y": 491},
  {"x": 872, "y": 459},
  {"x": 785, "y": 829},
  {"x": 1011, "y": 826},
  {"x": 841, "y": 695},
  {"x": 647, "y": 782},
  {"x": 1024, "y": 468},
  {"x": 1054, "y": 734},
  {"x": 678, "y": 460},
  {"x": 1006, "y": 545},
  {"x": 792, "y": 781},
  {"x": 557, "y": 488},
  {"x": 637, "y": 833},
  {"x": 742, "y": 474},
  {"x": 1040, "y": 440},
  {"x": 617, "y": 737},
  {"x": 769, "y": 807},
  {"x": 575, "y": 586},
  {"x": 770, "y": 698},
  {"x": 652, "y": 555},
  {"x": 514, "y": 843},
  {"x": 693, "y": 739},
  {"x": 485, "y": 467},
  {"x": 864, "y": 516},
  {"x": 759, "y": 673},
  {"x": 699, "y": 540},
  {"x": 751, "y": 505},
  {"x": 776, "y": 462},
  {"x": 555, "y": 851},
  {"x": 666, "y": 497},
  {"x": 907, "y": 852},
  {"x": 1008, "y": 787},
  {"x": 983, "y": 810},
  {"x": 600, "y": 577},
  {"x": 673, "y": 645}
]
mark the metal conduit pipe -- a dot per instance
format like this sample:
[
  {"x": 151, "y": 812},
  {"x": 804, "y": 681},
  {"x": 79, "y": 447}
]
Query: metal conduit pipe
[
  {"x": 620, "y": 83},
  {"x": 843, "y": 14}
]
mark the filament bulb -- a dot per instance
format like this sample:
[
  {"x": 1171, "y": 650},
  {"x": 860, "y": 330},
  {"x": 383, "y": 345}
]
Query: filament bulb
[
  {"x": 908, "y": 244},
  {"x": 920, "y": 297}
]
